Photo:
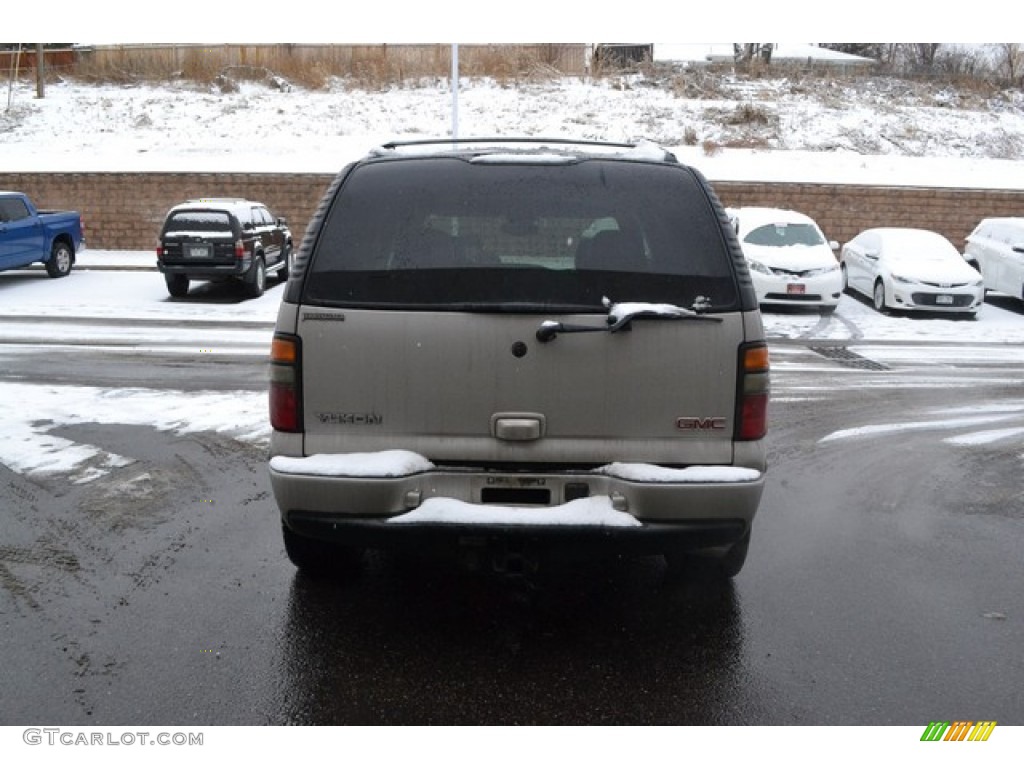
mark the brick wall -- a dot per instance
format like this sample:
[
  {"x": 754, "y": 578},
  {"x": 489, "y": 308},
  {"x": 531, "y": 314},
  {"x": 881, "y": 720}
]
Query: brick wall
[
  {"x": 123, "y": 211},
  {"x": 843, "y": 210}
]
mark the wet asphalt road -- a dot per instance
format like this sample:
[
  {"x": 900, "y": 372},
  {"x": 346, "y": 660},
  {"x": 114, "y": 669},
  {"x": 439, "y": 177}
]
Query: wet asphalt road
[{"x": 883, "y": 584}]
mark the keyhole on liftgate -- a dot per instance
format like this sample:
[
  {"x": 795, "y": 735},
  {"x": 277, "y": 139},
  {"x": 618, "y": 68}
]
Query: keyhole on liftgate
[{"x": 519, "y": 349}]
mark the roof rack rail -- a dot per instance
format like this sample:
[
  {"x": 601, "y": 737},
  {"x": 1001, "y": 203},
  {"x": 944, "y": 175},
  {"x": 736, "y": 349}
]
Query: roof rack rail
[{"x": 516, "y": 140}]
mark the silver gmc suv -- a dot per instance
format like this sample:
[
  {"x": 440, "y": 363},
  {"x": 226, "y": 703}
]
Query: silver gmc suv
[{"x": 512, "y": 349}]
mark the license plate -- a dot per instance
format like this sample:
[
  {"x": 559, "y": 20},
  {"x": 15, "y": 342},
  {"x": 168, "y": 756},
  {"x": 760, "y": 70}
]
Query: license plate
[
  {"x": 797, "y": 288},
  {"x": 943, "y": 298},
  {"x": 197, "y": 251}
]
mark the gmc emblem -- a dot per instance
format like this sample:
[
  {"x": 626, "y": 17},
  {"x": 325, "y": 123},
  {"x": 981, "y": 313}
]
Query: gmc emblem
[{"x": 701, "y": 423}]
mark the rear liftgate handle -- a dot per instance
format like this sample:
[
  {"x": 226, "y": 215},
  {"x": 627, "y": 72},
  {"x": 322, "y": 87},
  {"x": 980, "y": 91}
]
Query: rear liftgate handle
[{"x": 517, "y": 427}]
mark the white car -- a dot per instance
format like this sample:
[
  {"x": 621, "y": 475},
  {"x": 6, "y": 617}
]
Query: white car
[
  {"x": 911, "y": 269},
  {"x": 996, "y": 249},
  {"x": 790, "y": 261}
]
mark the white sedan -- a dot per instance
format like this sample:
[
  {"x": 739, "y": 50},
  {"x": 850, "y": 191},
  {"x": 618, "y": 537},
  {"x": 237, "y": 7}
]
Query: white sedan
[
  {"x": 791, "y": 263},
  {"x": 911, "y": 269}
]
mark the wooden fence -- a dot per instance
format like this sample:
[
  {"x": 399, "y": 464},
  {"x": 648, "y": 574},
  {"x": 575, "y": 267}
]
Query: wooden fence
[{"x": 413, "y": 60}]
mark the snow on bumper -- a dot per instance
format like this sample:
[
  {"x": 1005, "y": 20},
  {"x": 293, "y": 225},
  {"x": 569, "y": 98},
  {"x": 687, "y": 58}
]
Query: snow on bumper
[
  {"x": 401, "y": 488},
  {"x": 589, "y": 511}
]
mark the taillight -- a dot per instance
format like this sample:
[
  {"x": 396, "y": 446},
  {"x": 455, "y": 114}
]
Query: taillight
[
  {"x": 239, "y": 249},
  {"x": 752, "y": 392},
  {"x": 285, "y": 386},
  {"x": 159, "y": 251}
]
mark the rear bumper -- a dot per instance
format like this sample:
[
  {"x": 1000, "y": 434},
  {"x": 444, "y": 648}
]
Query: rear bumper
[
  {"x": 957, "y": 300},
  {"x": 821, "y": 290},
  {"x": 589, "y": 510},
  {"x": 200, "y": 271},
  {"x": 578, "y": 540}
]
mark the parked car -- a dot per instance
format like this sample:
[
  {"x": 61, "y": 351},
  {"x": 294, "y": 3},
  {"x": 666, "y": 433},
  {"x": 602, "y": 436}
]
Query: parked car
[
  {"x": 911, "y": 269},
  {"x": 223, "y": 238},
  {"x": 996, "y": 249},
  {"x": 507, "y": 348},
  {"x": 29, "y": 235},
  {"x": 791, "y": 262}
]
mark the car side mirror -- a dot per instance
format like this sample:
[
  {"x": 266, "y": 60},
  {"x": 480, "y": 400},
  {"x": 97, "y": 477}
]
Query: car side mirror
[
  {"x": 282, "y": 221},
  {"x": 833, "y": 244}
]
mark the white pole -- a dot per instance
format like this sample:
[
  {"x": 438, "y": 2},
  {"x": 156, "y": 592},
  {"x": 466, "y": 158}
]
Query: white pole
[{"x": 455, "y": 91}]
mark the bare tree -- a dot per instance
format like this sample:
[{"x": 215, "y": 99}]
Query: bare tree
[
  {"x": 922, "y": 55},
  {"x": 744, "y": 53},
  {"x": 1010, "y": 61}
]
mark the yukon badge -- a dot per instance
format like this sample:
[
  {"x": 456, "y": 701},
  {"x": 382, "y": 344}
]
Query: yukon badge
[
  {"x": 351, "y": 419},
  {"x": 701, "y": 423}
]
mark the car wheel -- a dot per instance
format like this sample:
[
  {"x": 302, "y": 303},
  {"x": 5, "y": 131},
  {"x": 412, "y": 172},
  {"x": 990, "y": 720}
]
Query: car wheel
[
  {"x": 717, "y": 566},
  {"x": 828, "y": 309},
  {"x": 61, "y": 259},
  {"x": 256, "y": 278},
  {"x": 321, "y": 559},
  {"x": 879, "y": 296},
  {"x": 177, "y": 285},
  {"x": 286, "y": 264},
  {"x": 730, "y": 564}
]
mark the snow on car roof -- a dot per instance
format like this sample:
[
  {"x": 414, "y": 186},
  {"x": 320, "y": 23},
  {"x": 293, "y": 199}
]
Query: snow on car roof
[
  {"x": 517, "y": 149},
  {"x": 215, "y": 203},
  {"x": 909, "y": 236},
  {"x": 751, "y": 217}
]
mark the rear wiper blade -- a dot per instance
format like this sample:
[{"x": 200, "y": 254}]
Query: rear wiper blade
[{"x": 619, "y": 318}]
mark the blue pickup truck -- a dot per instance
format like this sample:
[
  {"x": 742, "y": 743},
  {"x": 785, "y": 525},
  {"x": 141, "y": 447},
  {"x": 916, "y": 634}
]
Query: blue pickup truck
[{"x": 28, "y": 235}]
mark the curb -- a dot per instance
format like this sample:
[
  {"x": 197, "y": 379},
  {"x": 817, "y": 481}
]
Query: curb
[{"x": 79, "y": 266}]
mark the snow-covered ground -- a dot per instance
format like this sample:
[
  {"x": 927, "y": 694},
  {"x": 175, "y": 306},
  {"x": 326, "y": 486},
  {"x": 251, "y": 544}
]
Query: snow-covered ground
[{"x": 842, "y": 131}]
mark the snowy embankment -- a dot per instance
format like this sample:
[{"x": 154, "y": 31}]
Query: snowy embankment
[{"x": 851, "y": 137}]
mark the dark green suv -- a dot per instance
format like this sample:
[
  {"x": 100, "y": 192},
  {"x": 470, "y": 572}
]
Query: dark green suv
[{"x": 222, "y": 238}]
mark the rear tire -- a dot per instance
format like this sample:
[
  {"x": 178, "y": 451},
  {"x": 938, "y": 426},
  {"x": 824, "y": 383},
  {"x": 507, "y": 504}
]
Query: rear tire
[
  {"x": 177, "y": 285},
  {"x": 733, "y": 561},
  {"x": 61, "y": 259},
  {"x": 256, "y": 278},
  {"x": 321, "y": 559},
  {"x": 708, "y": 566},
  {"x": 286, "y": 268}
]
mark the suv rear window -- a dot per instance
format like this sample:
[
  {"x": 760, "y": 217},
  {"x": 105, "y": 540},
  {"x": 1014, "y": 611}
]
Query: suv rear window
[
  {"x": 198, "y": 221},
  {"x": 505, "y": 236}
]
